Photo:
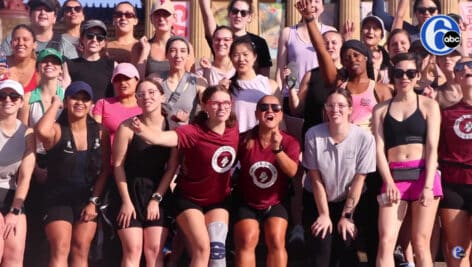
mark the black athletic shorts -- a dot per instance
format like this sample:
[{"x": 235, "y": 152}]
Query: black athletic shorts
[{"x": 457, "y": 196}]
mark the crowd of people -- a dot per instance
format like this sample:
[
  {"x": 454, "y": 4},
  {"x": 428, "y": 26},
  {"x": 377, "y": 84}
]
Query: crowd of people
[{"x": 125, "y": 142}]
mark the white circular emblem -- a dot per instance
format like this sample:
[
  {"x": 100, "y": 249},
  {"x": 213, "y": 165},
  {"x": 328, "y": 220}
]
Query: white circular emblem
[
  {"x": 463, "y": 126},
  {"x": 263, "y": 174},
  {"x": 223, "y": 159}
]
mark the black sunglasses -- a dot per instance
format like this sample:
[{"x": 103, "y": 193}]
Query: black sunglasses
[
  {"x": 76, "y": 9},
  {"x": 91, "y": 35},
  {"x": 461, "y": 65},
  {"x": 399, "y": 73},
  {"x": 430, "y": 9},
  {"x": 235, "y": 11},
  {"x": 263, "y": 107},
  {"x": 13, "y": 96},
  {"x": 127, "y": 15}
]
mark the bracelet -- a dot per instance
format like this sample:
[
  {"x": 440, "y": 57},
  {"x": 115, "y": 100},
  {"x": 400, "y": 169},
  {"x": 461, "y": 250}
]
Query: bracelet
[
  {"x": 277, "y": 151},
  {"x": 310, "y": 19},
  {"x": 428, "y": 188}
]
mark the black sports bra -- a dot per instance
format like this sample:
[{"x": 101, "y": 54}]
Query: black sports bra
[{"x": 411, "y": 130}]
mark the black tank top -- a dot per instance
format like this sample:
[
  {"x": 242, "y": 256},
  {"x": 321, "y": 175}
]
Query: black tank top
[
  {"x": 145, "y": 160},
  {"x": 411, "y": 130}
]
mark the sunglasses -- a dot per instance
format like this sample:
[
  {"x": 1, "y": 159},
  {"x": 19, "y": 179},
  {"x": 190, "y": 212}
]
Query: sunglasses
[
  {"x": 69, "y": 9},
  {"x": 431, "y": 10},
  {"x": 13, "y": 96},
  {"x": 399, "y": 73},
  {"x": 91, "y": 35},
  {"x": 235, "y": 11},
  {"x": 461, "y": 65},
  {"x": 264, "y": 107},
  {"x": 127, "y": 15},
  {"x": 43, "y": 8}
]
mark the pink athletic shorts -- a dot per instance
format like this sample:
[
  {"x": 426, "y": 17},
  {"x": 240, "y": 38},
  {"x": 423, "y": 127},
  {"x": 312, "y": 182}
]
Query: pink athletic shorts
[{"x": 411, "y": 190}]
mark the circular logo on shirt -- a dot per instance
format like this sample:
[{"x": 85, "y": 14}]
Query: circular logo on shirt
[
  {"x": 463, "y": 126},
  {"x": 263, "y": 174},
  {"x": 223, "y": 159}
]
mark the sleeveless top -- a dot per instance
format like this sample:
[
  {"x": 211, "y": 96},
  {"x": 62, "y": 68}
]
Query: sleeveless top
[
  {"x": 245, "y": 100},
  {"x": 36, "y": 112},
  {"x": 301, "y": 52},
  {"x": 69, "y": 168},
  {"x": 11, "y": 154},
  {"x": 411, "y": 130},
  {"x": 184, "y": 97},
  {"x": 156, "y": 66},
  {"x": 33, "y": 83},
  {"x": 362, "y": 106}
]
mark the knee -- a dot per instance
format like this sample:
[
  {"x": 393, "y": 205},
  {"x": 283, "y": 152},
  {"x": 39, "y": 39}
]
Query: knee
[
  {"x": 387, "y": 243},
  {"x": 246, "y": 240},
  {"x": 420, "y": 245},
  {"x": 132, "y": 251},
  {"x": 60, "y": 248},
  {"x": 80, "y": 248},
  {"x": 275, "y": 241},
  {"x": 152, "y": 249},
  {"x": 217, "y": 232}
]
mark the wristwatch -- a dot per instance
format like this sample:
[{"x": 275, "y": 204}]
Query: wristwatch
[
  {"x": 16, "y": 211},
  {"x": 157, "y": 197},
  {"x": 348, "y": 215},
  {"x": 277, "y": 151},
  {"x": 94, "y": 200}
]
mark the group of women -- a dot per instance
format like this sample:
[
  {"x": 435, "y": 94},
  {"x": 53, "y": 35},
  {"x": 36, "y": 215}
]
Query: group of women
[{"x": 138, "y": 120}]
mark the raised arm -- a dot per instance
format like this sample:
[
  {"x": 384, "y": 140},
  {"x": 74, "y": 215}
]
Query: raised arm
[
  {"x": 378, "y": 9},
  {"x": 139, "y": 55},
  {"x": 209, "y": 22},
  {"x": 327, "y": 66},
  {"x": 400, "y": 15}
]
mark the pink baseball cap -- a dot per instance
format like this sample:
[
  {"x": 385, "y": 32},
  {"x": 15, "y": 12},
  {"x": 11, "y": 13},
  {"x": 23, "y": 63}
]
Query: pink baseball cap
[{"x": 126, "y": 69}]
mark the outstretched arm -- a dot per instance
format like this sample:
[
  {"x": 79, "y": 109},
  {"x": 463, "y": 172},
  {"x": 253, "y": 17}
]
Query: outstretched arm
[
  {"x": 400, "y": 15},
  {"x": 163, "y": 138}
]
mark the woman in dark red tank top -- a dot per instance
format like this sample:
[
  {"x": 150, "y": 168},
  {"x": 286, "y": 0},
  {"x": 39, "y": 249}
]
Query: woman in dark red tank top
[{"x": 408, "y": 166}]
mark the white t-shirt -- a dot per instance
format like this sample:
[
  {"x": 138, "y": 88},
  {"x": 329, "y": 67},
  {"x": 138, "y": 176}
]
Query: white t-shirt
[{"x": 338, "y": 163}]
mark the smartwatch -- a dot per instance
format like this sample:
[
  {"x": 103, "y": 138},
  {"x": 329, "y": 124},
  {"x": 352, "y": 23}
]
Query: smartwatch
[
  {"x": 16, "y": 211},
  {"x": 348, "y": 215},
  {"x": 94, "y": 200},
  {"x": 157, "y": 197}
]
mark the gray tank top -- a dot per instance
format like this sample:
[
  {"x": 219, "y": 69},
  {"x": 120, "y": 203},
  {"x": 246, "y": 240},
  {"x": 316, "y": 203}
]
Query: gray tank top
[
  {"x": 184, "y": 98},
  {"x": 156, "y": 66},
  {"x": 11, "y": 154}
]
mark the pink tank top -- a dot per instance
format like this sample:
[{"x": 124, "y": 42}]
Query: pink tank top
[{"x": 362, "y": 106}]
